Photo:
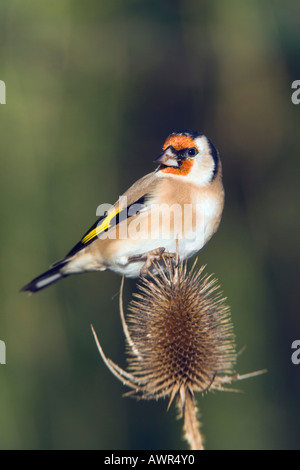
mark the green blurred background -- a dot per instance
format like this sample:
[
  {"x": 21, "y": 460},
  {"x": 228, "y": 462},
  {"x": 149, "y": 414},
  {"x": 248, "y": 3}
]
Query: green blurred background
[{"x": 93, "y": 89}]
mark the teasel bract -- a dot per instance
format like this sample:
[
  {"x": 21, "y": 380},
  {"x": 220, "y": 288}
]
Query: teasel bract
[{"x": 180, "y": 340}]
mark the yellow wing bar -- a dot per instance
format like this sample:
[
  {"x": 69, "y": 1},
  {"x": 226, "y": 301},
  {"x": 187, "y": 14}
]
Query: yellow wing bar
[
  {"x": 100, "y": 228},
  {"x": 104, "y": 223}
]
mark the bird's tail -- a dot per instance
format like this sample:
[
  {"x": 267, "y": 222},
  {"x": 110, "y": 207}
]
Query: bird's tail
[{"x": 54, "y": 274}]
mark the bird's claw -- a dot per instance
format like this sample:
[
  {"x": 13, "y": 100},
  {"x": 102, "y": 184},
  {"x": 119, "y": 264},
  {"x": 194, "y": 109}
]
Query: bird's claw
[{"x": 154, "y": 255}]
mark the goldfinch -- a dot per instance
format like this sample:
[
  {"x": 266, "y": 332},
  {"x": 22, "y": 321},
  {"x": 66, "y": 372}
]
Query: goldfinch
[{"x": 178, "y": 207}]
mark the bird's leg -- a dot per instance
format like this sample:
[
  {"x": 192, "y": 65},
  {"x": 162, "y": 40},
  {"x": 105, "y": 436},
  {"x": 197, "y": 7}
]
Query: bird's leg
[{"x": 151, "y": 256}]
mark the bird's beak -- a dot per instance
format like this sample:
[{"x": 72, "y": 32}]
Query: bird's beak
[{"x": 168, "y": 158}]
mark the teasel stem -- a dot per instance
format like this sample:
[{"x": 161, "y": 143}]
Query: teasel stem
[{"x": 191, "y": 424}]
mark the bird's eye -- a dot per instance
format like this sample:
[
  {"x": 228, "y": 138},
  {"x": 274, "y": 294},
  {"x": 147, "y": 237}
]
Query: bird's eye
[{"x": 192, "y": 152}]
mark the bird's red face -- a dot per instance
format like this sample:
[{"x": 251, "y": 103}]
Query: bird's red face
[
  {"x": 177, "y": 144},
  {"x": 182, "y": 170}
]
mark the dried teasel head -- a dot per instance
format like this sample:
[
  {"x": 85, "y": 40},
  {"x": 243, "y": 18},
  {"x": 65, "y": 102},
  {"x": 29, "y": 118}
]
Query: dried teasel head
[
  {"x": 180, "y": 340},
  {"x": 180, "y": 326}
]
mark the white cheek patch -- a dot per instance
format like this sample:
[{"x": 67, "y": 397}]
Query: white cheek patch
[
  {"x": 202, "y": 144},
  {"x": 206, "y": 162},
  {"x": 202, "y": 172}
]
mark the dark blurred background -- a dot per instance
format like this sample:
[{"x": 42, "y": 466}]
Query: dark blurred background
[{"x": 93, "y": 89}]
